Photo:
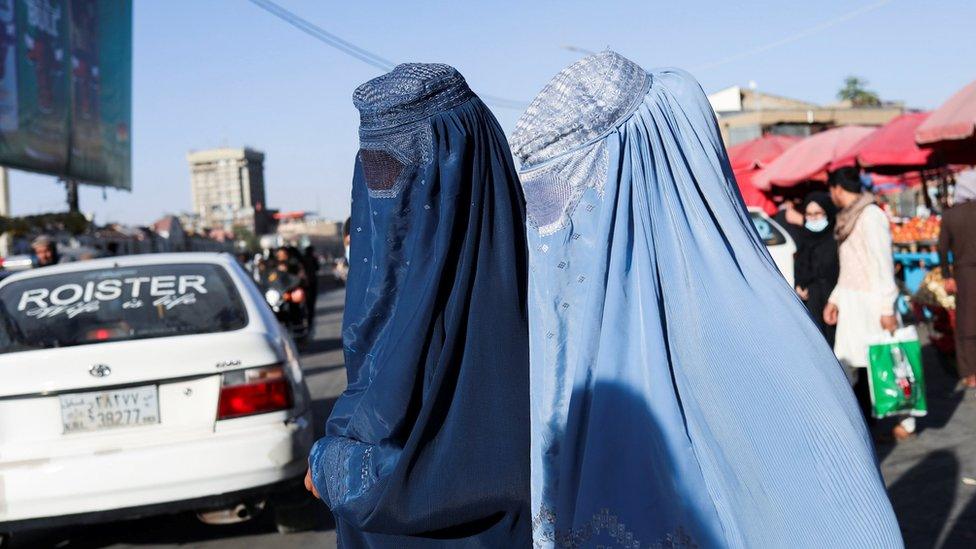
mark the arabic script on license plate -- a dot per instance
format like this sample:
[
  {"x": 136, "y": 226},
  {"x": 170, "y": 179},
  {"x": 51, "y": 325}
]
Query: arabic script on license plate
[{"x": 110, "y": 409}]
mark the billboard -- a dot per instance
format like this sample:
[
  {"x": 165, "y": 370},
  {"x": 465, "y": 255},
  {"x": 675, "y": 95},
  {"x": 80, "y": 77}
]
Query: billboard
[{"x": 66, "y": 88}]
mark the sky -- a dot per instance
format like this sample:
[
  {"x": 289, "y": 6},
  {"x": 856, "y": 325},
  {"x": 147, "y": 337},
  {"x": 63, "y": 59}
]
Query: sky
[{"x": 226, "y": 73}]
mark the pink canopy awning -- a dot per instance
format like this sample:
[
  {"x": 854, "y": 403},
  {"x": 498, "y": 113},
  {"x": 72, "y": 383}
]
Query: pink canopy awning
[
  {"x": 889, "y": 149},
  {"x": 951, "y": 129},
  {"x": 759, "y": 152},
  {"x": 809, "y": 159},
  {"x": 750, "y": 157}
]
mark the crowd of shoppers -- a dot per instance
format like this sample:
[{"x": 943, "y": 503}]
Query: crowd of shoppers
[{"x": 845, "y": 274}]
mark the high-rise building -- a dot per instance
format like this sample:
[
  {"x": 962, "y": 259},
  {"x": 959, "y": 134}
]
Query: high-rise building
[{"x": 227, "y": 185}]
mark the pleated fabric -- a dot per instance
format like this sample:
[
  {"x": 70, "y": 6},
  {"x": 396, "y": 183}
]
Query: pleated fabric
[
  {"x": 681, "y": 394},
  {"x": 428, "y": 445}
]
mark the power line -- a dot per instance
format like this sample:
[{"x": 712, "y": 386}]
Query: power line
[
  {"x": 796, "y": 36},
  {"x": 323, "y": 35},
  {"x": 353, "y": 50}
]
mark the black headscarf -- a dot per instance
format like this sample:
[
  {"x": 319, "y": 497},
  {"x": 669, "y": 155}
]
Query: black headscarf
[
  {"x": 817, "y": 266},
  {"x": 823, "y": 200}
]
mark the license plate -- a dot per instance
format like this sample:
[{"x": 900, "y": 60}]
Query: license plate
[{"x": 110, "y": 409}]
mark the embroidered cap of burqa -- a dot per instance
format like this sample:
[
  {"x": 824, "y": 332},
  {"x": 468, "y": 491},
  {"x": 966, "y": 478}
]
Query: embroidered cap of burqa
[
  {"x": 681, "y": 394},
  {"x": 428, "y": 445}
]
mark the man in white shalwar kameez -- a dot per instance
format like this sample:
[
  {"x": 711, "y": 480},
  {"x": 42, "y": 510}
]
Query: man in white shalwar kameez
[{"x": 863, "y": 302}]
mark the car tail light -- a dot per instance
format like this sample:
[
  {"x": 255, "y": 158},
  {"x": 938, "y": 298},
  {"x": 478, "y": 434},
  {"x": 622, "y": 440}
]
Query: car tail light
[{"x": 253, "y": 391}]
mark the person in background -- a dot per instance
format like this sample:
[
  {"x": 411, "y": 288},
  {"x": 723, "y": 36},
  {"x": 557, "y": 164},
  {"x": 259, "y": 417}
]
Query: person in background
[
  {"x": 45, "y": 251},
  {"x": 287, "y": 260},
  {"x": 310, "y": 261},
  {"x": 958, "y": 237},
  {"x": 863, "y": 302},
  {"x": 342, "y": 264},
  {"x": 790, "y": 217},
  {"x": 346, "y": 238},
  {"x": 817, "y": 266}
]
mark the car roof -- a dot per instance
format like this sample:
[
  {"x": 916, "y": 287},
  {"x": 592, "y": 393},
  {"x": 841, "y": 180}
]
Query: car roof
[{"x": 223, "y": 259}]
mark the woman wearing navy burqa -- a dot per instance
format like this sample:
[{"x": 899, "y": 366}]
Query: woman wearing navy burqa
[
  {"x": 428, "y": 445},
  {"x": 681, "y": 394}
]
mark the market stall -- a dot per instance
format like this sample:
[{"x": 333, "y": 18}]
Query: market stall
[
  {"x": 810, "y": 159},
  {"x": 747, "y": 159}
]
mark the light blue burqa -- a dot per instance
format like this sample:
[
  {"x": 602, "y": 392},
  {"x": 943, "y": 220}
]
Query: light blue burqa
[{"x": 681, "y": 395}]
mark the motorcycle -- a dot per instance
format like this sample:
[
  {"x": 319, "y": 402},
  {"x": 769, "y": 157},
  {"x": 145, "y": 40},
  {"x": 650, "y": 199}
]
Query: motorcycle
[{"x": 284, "y": 293}]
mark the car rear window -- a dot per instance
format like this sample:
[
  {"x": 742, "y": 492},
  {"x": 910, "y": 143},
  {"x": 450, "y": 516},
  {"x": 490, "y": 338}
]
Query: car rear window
[
  {"x": 116, "y": 304},
  {"x": 767, "y": 231}
]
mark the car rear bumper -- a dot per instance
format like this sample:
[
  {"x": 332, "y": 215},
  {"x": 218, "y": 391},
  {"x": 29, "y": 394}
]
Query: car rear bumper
[
  {"x": 219, "y": 501},
  {"x": 159, "y": 479}
]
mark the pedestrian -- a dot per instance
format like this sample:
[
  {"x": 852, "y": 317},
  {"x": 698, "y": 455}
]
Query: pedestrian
[
  {"x": 45, "y": 251},
  {"x": 958, "y": 238},
  {"x": 342, "y": 263},
  {"x": 310, "y": 263},
  {"x": 287, "y": 261},
  {"x": 862, "y": 304},
  {"x": 816, "y": 267},
  {"x": 429, "y": 444},
  {"x": 681, "y": 397},
  {"x": 790, "y": 217}
]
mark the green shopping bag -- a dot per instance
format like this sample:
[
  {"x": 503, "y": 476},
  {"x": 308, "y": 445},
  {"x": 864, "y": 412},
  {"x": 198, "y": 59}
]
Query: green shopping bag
[{"x": 895, "y": 374}]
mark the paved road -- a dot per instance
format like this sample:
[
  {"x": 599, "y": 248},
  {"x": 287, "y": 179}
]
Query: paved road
[
  {"x": 322, "y": 363},
  {"x": 929, "y": 478}
]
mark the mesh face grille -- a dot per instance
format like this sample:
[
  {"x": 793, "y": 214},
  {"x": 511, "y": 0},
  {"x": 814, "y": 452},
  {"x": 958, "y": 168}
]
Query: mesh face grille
[
  {"x": 579, "y": 104},
  {"x": 553, "y": 192},
  {"x": 380, "y": 168}
]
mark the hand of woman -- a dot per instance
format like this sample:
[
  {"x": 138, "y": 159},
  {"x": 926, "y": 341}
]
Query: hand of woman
[
  {"x": 830, "y": 314},
  {"x": 803, "y": 293},
  {"x": 309, "y": 485}
]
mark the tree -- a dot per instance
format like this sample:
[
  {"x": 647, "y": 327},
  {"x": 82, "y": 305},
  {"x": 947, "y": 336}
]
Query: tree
[
  {"x": 855, "y": 92},
  {"x": 73, "y": 222}
]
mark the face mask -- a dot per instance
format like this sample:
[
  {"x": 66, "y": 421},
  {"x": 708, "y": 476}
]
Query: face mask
[{"x": 817, "y": 225}]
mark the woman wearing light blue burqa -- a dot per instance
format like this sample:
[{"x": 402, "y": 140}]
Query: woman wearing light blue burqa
[{"x": 681, "y": 394}]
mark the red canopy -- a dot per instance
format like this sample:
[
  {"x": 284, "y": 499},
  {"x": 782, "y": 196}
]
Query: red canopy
[
  {"x": 809, "y": 159},
  {"x": 750, "y": 157},
  {"x": 951, "y": 129},
  {"x": 889, "y": 149}
]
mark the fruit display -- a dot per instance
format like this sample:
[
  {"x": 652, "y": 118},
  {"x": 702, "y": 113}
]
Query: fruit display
[{"x": 915, "y": 229}]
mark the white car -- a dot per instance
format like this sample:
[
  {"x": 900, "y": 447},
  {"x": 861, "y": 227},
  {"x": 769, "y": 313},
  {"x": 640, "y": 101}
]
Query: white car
[
  {"x": 779, "y": 242},
  {"x": 143, "y": 385}
]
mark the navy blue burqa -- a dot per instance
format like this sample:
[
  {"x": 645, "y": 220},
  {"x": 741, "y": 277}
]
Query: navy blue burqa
[{"x": 429, "y": 444}]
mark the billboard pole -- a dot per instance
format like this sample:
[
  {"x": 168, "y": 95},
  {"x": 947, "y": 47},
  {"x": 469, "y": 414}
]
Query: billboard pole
[
  {"x": 72, "y": 187},
  {"x": 4, "y": 210}
]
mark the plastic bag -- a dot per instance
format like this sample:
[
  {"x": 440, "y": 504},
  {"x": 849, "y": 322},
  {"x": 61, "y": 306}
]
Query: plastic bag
[{"x": 895, "y": 374}]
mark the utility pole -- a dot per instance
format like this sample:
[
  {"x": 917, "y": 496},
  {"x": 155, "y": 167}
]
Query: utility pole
[
  {"x": 72, "y": 187},
  {"x": 5, "y": 239}
]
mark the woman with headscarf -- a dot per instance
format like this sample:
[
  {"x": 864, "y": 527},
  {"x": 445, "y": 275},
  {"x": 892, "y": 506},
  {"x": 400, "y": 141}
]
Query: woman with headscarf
[
  {"x": 681, "y": 394},
  {"x": 816, "y": 266},
  {"x": 428, "y": 445},
  {"x": 957, "y": 236}
]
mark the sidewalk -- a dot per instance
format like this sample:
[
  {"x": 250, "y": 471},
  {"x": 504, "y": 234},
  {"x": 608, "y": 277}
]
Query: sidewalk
[{"x": 925, "y": 476}]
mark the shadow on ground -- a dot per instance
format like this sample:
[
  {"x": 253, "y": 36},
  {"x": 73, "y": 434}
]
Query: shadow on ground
[{"x": 181, "y": 529}]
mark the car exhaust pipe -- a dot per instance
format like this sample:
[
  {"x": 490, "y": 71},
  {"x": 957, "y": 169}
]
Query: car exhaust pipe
[{"x": 242, "y": 512}]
